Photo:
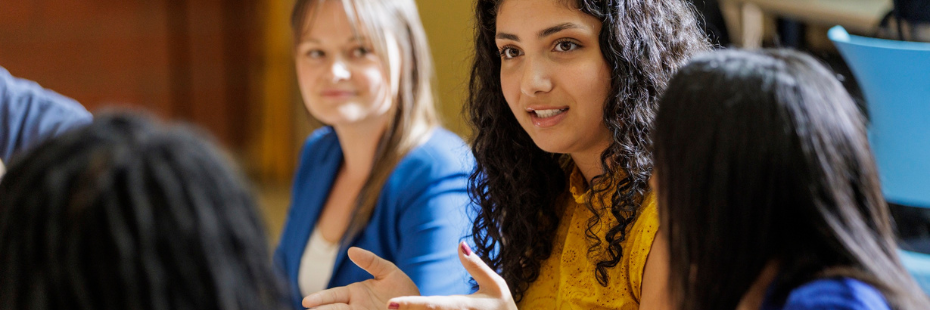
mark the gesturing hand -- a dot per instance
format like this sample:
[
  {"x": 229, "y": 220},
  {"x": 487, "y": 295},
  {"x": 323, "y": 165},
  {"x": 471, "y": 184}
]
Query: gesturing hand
[
  {"x": 389, "y": 282},
  {"x": 492, "y": 293}
]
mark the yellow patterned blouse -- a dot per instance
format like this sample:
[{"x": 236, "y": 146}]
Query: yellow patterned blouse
[{"x": 567, "y": 279}]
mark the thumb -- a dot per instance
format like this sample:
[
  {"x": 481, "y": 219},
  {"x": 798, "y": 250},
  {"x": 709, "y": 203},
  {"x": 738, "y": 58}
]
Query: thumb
[
  {"x": 376, "y": 266},
  {"x": 487, "y": 278}
]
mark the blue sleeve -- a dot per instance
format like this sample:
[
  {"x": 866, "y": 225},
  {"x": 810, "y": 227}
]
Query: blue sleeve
[
  {"x": 839, "y": 294},
  {"x": 431, "y": 226},
  {"x": 30, "y": 114},
  {"x": 317, "y": 153}
]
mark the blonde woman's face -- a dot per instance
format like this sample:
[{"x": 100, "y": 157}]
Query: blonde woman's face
[
  {"x": 342, "y": 80},
  {"x": 553, "y": 74}
]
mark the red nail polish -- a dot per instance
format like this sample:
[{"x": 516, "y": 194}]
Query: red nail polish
[
  {"x": 466, "y": 249},
  {"x": 394, "y": 305}
]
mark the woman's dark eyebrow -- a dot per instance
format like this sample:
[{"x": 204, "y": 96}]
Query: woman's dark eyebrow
[
  {"x": 507, "y": 36},
  {"x": 542, "y": 34},
  {"x": 555, "y": 29}
]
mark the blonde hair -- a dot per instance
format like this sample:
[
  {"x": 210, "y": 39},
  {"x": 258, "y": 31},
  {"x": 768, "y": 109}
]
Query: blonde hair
[{"x": 414, "y": 114}]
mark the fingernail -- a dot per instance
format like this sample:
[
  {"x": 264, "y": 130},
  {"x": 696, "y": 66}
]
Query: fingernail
[
  {"x": 394, "y": 305},
  {"x": 466, "y": 249}
]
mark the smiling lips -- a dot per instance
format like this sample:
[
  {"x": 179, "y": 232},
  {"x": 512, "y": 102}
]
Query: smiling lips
[
  {"x": 548, "y": 113},
  {"x": 546, "y": 117},
  {"x": 337, "y": 93}
]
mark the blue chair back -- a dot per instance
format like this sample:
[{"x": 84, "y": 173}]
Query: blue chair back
[
  {"x": 895, "y": 79},
  {"x": 917, "y": 265}
]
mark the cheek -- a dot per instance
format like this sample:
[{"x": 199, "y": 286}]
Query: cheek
[
  {"x": 510, "y": 86},
  {"x": 376, "y": 87},
  {"x": 371, "y": 79},
  {"x": 591, "y": 86},
  {"x": 306, "y": 75},
  {"x": 308, "y": 82},
  {"x": 603, "y": 83}
]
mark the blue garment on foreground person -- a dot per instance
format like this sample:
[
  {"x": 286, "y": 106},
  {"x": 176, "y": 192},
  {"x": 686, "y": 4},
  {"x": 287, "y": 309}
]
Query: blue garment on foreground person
[
  {"x": 30, "y": 114},
  {"x": 833, "y": 293},
  {"x": 420, "y": 217}
]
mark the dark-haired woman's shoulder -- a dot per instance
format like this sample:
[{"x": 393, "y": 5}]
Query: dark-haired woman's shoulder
[{"x": 834, "y": 293}]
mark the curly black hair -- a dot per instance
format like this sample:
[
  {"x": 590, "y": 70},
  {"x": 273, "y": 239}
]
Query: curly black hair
[
  {"x": 519, "y": 187},
  {"x": 126, "y": 214}
]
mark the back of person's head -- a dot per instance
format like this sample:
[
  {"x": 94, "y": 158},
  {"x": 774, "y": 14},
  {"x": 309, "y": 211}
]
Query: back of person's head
[
  {"x": 763, "y": 157},
  {"x": 128, "y": 214}
]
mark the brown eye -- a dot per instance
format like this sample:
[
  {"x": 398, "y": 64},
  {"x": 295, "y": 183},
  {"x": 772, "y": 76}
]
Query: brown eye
[
  {"x": 360, "y": 52},
  {"x": 509, "y": 53},
  {"x": 315, "y": 54},
  {"x": 565, "y": 46}
]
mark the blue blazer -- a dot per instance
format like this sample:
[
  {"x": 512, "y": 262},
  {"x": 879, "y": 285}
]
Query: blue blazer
[{"x": 420, "y": 217}]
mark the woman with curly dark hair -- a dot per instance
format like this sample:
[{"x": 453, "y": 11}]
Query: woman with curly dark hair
[{"x": 562, "y": 98}]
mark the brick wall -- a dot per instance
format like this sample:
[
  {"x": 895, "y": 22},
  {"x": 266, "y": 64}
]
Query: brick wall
[{"x": 191, "y": 60}]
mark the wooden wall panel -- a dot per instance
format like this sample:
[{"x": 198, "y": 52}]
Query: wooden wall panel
[{"x": 180, "y": 59}]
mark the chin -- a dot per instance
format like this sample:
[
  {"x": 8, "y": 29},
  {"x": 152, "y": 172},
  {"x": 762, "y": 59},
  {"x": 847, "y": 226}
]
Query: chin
[
  {"x": 339, "y": 115},
  {"x": 551, "y": 144},
  {"x": 326, "y": 118}
]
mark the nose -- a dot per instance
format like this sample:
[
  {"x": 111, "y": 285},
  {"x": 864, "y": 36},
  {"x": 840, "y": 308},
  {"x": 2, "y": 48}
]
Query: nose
[
  {"x": 535, "y": 79},
  {"x": 339, "y": 70}
]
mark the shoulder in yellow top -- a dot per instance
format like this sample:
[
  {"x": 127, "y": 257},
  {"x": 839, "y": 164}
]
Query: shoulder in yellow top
[{"x": 567, "y": 278}]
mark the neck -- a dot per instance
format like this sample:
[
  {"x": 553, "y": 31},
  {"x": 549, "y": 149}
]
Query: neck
[
  {"x": 755, "y": 295},
  {"x": 589, "y": 163},
  {"x": 359, "y": 143}
]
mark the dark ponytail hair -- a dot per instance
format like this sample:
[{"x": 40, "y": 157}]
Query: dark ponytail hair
[
  {"x": 127, "y": 214},
  {"x": 763, "y": 157}
]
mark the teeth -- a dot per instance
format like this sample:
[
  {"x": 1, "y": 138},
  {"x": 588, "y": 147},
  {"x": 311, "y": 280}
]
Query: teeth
[{"x": 548, "y": 113}]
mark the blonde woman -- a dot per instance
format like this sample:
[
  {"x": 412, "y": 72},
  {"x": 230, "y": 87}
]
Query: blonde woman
[{"x": 382, "y": 175}]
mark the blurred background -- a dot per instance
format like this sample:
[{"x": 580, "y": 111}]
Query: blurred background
[{"x": 224, "y": 65}]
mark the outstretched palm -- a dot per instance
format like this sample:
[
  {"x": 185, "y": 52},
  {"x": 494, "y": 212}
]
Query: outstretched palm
[
  {"x": 492, "y": 294},
  {"x": 389, "y": 282},
  {"x": 393, "y": 289}
]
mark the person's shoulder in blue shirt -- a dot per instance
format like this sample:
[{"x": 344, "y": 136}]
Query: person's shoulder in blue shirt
[
  {"x": 840, "y": 293},
  {"x": 30, "y": 114}
]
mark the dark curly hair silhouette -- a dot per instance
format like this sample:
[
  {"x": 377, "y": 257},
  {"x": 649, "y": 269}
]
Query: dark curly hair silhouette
[
  {"x": 128, "y": 214},
  {"x": 517, "y": 185}
]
